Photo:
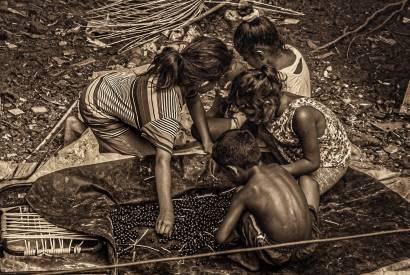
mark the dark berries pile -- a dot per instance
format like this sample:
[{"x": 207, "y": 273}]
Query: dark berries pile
[{"x": 197, "y": 216}]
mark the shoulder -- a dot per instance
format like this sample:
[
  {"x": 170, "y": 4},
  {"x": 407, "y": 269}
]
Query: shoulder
[
  {"x": 240, "y": 197},
  {"x": 303, "y": 114},
  {"x": 273, "y": 167}
]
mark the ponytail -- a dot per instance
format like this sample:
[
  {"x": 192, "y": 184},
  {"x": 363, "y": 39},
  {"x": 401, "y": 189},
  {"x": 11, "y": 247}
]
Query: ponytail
[
  {"x": 204, "y": 59},
  {"x": 254, "y": 88},
  {"x": 167, "y": 65}
]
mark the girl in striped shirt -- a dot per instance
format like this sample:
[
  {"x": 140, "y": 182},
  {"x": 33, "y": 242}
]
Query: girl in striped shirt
[{"x": 140, "y": 114}]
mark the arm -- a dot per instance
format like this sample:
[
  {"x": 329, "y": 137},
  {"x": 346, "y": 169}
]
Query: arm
[
  {"x": 231, "y": 218},
  {"x": 165, "y": 220},
  {"x": 304, "y": 125},
  {"x": 197, "y": 112}
]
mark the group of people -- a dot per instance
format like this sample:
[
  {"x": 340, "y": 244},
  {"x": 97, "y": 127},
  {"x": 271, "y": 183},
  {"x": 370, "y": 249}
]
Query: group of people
[{"x": 269, "y": 99}]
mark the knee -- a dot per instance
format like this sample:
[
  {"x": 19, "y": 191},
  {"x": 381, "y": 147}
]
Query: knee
[{"x": 308, "y": 181}]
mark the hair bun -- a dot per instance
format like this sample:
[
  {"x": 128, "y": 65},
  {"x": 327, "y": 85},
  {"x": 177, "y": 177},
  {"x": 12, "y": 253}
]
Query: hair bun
[{"x": 246, "y": 11}]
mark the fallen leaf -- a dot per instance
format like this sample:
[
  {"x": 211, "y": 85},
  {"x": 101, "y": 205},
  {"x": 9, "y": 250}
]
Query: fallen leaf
[
  {"x": 58, "y": 60},
  {"x": 391, "y": 149},
  {"x": 389, "y": 41},
  {"x": 74, "y": 30},
  {"x": 39, "y": 109},
  {"x": 311, "y": 44},
  {"x": 97, "y": 43},
  {"x": 86, "y": 62},
  {"x": 16, "y": 12},
  {"x": 34, "y": 36},
  {"x": 389, "y": 126},
  {"x": 68, "y": 52},
  {"x": 10, "y": 45},
  {"x": 323, "y": 56},
  {"x": 290, "y": 21},
  {"x": 16, "y": 111}
]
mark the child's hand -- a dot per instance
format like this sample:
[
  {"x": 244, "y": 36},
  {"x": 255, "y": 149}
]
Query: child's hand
[{"x": 165, "y": 223}]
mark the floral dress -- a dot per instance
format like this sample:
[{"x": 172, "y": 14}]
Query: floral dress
[{"x": 334, "y": 145}]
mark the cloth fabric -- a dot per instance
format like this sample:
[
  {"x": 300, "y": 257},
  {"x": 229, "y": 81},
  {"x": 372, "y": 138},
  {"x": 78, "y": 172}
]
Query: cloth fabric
[
  {"x": 326, "y": 178},
  {"x": 297, "y": 83},
  {"x": 334, "y": 145},
  {"x": 253, "y": 236},
  {"x": 117, "y": 103}
]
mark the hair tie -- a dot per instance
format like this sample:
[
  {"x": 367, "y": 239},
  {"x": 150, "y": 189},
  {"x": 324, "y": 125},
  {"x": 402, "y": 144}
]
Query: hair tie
[{"x": 252, "y": 16}]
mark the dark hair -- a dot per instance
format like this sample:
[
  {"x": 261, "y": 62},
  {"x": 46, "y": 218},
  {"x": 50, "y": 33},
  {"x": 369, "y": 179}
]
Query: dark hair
[
  {"x": 237, "y": 148},
  {"x": 259, "y": 31},
  {"x": 251, "y": 89},
  {"x": 204, "y": 59}
]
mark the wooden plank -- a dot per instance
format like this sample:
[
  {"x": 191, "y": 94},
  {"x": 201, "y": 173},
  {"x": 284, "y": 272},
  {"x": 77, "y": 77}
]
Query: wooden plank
[{"x": 405, "y": 106}]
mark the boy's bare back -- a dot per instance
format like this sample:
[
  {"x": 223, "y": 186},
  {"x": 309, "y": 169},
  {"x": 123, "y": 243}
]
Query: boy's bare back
[{"x": 273, "y": 196}]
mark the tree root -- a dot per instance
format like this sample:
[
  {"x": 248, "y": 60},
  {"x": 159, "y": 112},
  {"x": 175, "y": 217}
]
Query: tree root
[{"x": 371, "y": 17}]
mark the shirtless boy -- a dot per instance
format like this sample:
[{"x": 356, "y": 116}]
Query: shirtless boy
[{"x": 269, "y": 207}]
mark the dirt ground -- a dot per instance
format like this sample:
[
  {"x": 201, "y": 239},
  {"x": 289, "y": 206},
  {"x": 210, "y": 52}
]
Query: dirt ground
[{"x": 46, "y": 60}]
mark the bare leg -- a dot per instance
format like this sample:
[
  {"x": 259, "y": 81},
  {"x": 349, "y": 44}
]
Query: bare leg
[
  {"x": 73, "y": 129},
  {"x": 311, "y": 190},
  {"x": 128, "y": 143}
]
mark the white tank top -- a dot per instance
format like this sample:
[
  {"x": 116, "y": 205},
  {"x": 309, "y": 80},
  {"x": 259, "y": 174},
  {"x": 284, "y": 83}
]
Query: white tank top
[{"x": 297, "y": 83}]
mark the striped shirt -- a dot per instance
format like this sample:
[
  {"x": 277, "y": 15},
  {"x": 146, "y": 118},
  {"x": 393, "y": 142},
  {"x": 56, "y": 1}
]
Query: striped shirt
[{"x": 122, "y": 99}]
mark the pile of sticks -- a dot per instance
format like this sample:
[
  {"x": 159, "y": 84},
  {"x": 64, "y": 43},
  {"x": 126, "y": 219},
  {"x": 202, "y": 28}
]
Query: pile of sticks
[
  {"x": 133, "y": 23},
  {"x": 136, "y": 22}
]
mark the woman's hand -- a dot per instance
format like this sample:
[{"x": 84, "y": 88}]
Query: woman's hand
[{"x": 165, "y": 222}]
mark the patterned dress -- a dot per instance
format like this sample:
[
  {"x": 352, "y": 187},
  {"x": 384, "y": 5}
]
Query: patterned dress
[{"x": 334, "y": 145}]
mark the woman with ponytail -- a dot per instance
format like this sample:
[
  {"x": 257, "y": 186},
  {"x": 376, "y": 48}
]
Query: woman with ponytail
[
  {"x": 305, "y": 136},
  {"x": 140, "y": 114}
]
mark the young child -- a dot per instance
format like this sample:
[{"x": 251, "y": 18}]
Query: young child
[
  {"x": 303, "y": 133},
  {"x": 258, "y": 41},
  {"x": 269, "y": 207},
  {"x": 131, "y": 113}
]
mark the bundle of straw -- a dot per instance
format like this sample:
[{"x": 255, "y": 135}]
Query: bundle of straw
[
  {"x": 136, "y": 22},
  {"x": 260, "y": 5}
]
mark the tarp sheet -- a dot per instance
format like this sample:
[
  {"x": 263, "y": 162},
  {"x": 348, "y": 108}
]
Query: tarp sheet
[{"x": 80, "y": 198}]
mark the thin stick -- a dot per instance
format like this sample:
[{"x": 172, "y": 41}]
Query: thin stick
[
  {"x": 53, "y": 131},
  {"x": 232, "y": 251},
  {"x": 361, "y": 26},
  {"x": 205, "y": 14}
]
